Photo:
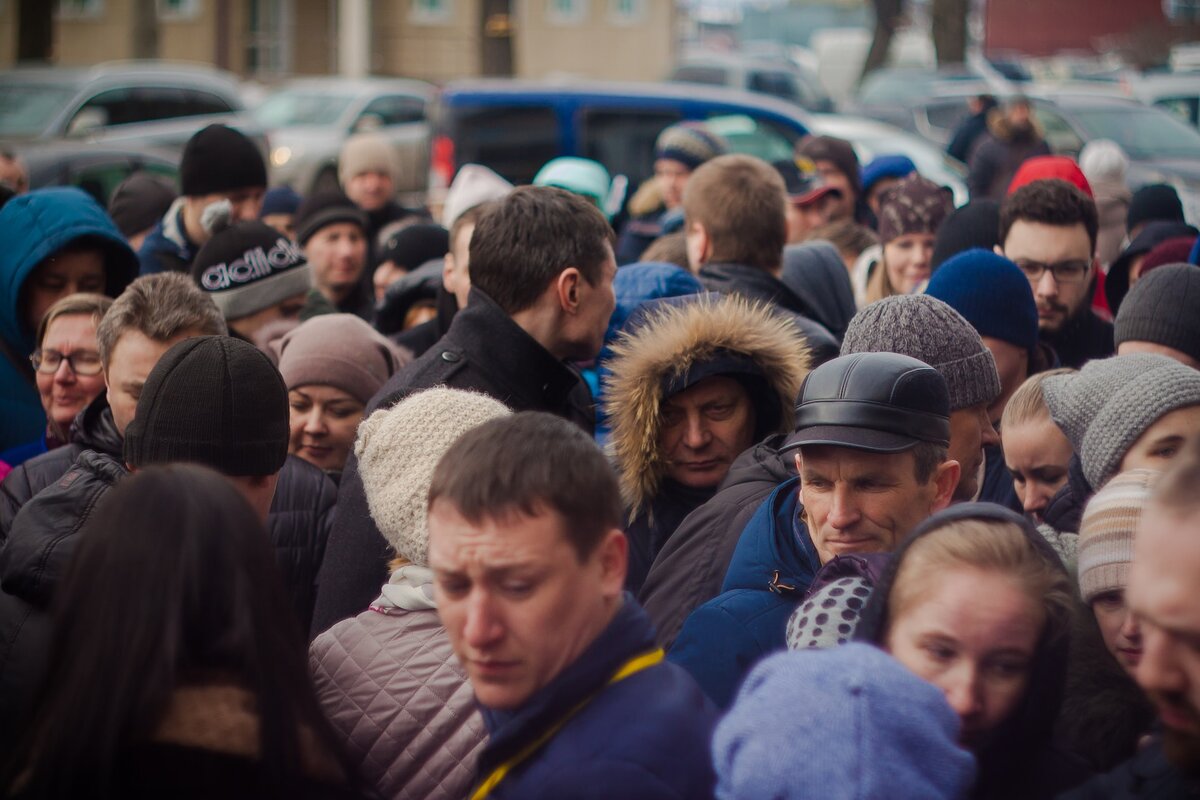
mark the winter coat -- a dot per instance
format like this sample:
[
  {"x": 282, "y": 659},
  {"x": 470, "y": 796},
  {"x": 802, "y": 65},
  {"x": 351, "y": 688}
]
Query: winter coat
[
  {"x": 966, "y": 135},
  {"x": 815, "y": 273},
  {"x": 394, "y": 691},
  {"x": 641, "y": 738},
  {"x": 419, "y": 338},
  {"x": 1065, "y": 509},
  {"x": 673, "y": 339},
  {"x": 758, "y": 284},
  {"x": 16, "y": 456},
  {"x": 206, "y": 746},
  {"x": 1020, "y": 759},
  {"x": 772, "y": 568},
  {"x": 999, "y": 154},
  {"x": 420, "y": 285},
  {"x": 484, "y": 351},
  {"x": 167, "y": 247},
  {"x": 1146, "y": 776},
  {"x": 33, "y": 227},
  {"x": 1081, "y": 339},
  {"x": 637, "y": 234},
  {"x": 691, "y": 567}
]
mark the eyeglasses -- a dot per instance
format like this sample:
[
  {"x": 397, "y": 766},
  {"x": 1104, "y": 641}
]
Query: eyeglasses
[
  {"x": 1063, "y": 271},
  {"x": 81, "y": 362}
]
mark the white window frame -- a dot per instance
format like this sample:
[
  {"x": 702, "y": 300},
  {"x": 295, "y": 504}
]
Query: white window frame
[
  {"x": 430, "y": 12},
  {"x": 576, "y": 14}
]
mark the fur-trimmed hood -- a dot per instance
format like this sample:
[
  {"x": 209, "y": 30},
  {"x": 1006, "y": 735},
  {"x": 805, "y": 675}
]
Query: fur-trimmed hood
[{"x": 668, "y": 341}]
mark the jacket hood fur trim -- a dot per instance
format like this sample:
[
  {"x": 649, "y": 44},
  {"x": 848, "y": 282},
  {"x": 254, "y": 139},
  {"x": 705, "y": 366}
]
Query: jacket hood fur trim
[{"x": 673, "y": 338}]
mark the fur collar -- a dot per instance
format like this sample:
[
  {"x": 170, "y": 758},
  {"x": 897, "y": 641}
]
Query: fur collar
[{"x": 672, "y": 338}]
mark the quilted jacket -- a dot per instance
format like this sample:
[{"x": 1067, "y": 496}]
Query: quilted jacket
[{"x": 395, "y": 693}]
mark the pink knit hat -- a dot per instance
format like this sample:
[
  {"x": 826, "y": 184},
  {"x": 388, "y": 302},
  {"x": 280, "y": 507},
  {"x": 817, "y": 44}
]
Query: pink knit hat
[{"x": 338, "y": 350}]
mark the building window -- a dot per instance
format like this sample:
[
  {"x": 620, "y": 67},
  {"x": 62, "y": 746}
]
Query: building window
[
  {"x": 566, "y": 12},
  {"x": 80, "y": 9},
  {"x": 1182, "y": 10},
  {"x": 626, "y": 12},
  {"x": 430, "y": 12},
  {"x": 176, "y": 10}
]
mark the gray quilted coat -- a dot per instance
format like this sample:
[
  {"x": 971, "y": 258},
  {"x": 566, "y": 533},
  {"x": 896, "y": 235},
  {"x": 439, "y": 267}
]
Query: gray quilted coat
[{"x": 393, "y": 689}]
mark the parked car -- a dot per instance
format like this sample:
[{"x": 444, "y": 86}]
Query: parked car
[
  {"x": 515, "y": 127},
  {"x": 96, "y": 168},
  {"x": 1178, "y": 93},
  {"x": 777, "y": 77},
  {"x": 143, "y": 104},
  {"x": 309, "y": 119},
  {"x": 900, "y": 95}
]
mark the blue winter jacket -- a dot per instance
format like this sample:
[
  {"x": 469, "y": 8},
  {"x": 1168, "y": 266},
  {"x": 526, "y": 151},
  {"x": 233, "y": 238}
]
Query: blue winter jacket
[
  {"x": 34, "y": 226},
  {"x": 772, "y": 567},
  {"x": 167, "y": 248},
  {"x": 642, "y": 738}
]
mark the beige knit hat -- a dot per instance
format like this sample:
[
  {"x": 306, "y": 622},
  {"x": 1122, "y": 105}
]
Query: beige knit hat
[
  {"x": 368, "y": 152},
  {"x": 1106, "y": 532},
  {"x": 397, "y": 451}
]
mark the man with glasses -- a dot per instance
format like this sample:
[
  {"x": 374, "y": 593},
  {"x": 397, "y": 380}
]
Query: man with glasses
[{"x": 1048, "y": 228}]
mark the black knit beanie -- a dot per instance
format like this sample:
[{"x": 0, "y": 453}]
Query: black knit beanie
[
  {"x": 1161, "y": 308},
  {"x": 212, "y": 400},
  {"x": 410, "y": 247},
  {"x": 326, "y": 208},
  {"x": 977, "y": 224},
  {"x": 139, "y": 202},
  {"x": 219, "y": 159},
  {"x": 1158, "y": 201}
]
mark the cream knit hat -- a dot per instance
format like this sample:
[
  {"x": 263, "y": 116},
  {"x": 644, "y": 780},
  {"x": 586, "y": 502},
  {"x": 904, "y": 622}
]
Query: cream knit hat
[
  {"x": 398, "y": 449},
  {"x": 1106, "y": 532}
]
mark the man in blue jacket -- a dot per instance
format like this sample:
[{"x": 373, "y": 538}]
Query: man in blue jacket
[
  {"x": 529, "y": 562},
  {"x": 872, "y": 431}
]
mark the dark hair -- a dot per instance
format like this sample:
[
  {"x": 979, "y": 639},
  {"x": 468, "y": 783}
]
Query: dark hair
[
  {"x": 174, "y": 582},
  {"x": 1051, "y": 201},
  {"x": 742, "y": 203},
  {"x": 927, "y": 457},
  {"x": 528, "y": 463},
  {"x": 529, "y": 237}
]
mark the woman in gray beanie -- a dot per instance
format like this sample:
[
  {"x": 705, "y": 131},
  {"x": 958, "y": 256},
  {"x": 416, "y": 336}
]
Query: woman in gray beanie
[{"x": 332, "y": 365}]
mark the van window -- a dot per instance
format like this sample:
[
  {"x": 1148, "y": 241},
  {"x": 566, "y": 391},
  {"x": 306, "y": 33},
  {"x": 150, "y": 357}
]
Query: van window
[
  {"x": 712, "y": 76},
  {"x": 776, "y": 84},
  {"x": 752, "y": 136},
  {"x": 513, "y": 141},
  {"x": 623, "y": 140},
  {"x": 397, "y": 109}
]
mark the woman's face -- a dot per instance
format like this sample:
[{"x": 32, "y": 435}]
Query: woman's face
[
  {"x": 1163, "y": 440},
  {"x": 64, "y": 391},
  {"x": 1038, "y": 456},
  {"x": 323, "y": 423},
  {"x": 1119, "y": 628},
  {"x": 907, "y": 260},
  {"x": 973, "y": 634}
]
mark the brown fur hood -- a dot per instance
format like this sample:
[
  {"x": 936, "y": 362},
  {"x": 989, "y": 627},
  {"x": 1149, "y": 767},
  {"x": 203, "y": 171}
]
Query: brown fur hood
[
  {"x": 671, "y": 340},
  {"x": 998, "y": 126}
]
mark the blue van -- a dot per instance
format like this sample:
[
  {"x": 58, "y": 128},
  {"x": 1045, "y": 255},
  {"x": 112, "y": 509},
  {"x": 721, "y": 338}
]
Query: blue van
[{"x": 514, "y": 127}]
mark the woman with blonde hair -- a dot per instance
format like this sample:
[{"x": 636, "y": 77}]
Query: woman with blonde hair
[{"x": 910, "y": 213}]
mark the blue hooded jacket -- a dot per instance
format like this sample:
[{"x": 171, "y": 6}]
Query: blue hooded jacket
[
  {"x": 772, "y": 567},
  {"x": 33, "y": 227}
]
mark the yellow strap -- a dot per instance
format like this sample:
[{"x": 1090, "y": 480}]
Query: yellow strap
[{"x": 630, "y": 667}]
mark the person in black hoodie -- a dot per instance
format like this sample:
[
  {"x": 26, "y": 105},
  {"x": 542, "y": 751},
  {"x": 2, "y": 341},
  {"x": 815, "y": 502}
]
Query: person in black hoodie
[
  {"x": 978, "y": 604},
  {"x": 736, "y": 223}
]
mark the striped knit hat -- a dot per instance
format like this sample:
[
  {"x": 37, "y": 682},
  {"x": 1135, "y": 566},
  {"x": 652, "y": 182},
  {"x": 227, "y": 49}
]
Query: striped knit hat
[
  {"x": 689, "y": 143},
  {"x": 1106, "y": 532}
]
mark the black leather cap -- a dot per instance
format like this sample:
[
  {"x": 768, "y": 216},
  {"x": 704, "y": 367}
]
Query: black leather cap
[{"x": 882, "y": 402}]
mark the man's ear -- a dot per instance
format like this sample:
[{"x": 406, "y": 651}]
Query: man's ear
[
  {"x": 946, "y": 479},
  {"x": 998, "y": 250},
  {"x": 613, "y": 553},
  {"x": 567, "y": 289},
  {"x": 448, "y": 270}
]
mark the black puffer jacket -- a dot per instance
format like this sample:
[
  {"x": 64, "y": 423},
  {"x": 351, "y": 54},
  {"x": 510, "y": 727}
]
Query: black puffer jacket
[
  {"x": 690, "y": 569},
  {"x": 1065, "y": 509},
  {"x": 1021, "y": 759}
]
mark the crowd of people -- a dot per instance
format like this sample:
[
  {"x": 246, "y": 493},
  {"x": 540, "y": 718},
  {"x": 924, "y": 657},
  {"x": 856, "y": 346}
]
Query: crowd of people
[{"x": 777, "y": 480}]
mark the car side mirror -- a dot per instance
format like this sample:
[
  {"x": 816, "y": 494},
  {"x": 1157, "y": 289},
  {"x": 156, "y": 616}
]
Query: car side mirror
[
  {"x": 87, "y": 121},
  {"x": 368, "y": 123}
]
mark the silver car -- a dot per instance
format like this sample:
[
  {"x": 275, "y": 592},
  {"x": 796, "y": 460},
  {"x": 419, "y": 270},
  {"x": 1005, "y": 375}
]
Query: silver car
[{"x": 309, "y": 119}]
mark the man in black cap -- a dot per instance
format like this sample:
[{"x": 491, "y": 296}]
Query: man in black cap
[
  {"x": 871, "y": 439},
  {"x": 333, "y": 232},
  {"x": 137, "y": 205},
  {"x": 219, "y": 164}
]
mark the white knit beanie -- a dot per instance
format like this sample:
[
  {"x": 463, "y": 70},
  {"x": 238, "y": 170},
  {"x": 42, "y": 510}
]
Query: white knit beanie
[
  {"x": 368, "y": 152},
  {"x": 1107, "y": 529},
  {"x": 398, "y": 449}
]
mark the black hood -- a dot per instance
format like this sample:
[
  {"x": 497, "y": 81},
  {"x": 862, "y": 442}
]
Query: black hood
[
  {"x": 94, "y": 429},
  {"x": 816, "y": 274},
  {"x": 1027, "y": 734}
]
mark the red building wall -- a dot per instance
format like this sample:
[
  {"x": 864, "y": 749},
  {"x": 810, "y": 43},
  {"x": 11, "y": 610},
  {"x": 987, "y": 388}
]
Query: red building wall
[{"x": 1044, "y": 27}]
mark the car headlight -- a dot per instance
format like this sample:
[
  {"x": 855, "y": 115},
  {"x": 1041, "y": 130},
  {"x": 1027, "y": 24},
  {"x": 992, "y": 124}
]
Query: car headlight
[{"x": 281, "y": 155}]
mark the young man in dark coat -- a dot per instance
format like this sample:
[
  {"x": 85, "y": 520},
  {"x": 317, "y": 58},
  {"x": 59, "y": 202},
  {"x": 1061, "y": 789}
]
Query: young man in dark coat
[
  {"x": 1049, "y": 228},
  {"x": 541, "y": 294},
  {"x": 1012, "y": 137},
  {"x": 529, "y": 563},
  {"x": 971, "y": 128},
  {"x": 872, "y": 431}
]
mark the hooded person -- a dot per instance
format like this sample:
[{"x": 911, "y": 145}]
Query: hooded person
[
  {"x": 815, "y": 273},
  {"x": 219, "y": 164},
  {"x": 988, "y": 582},
  {"x": 1158, "y": 315},
  {"x": 977, "y": 224},
  {"x": 693, "y": 383},
  {"x": 57, "y": 242},
  {"x": 1106, "y": 168},
  {"x": 1129, "y": 266},
  {"x": 137, "y": 204},
  {"x": 845, "y": 724},
  {"x": 254, "y": 274},
  {"x": 421, "y": 734},
  {"x": 1120, "y": 413},
  {"x": 910, "y": 213},
  {"x": 1013, "y": 136}
]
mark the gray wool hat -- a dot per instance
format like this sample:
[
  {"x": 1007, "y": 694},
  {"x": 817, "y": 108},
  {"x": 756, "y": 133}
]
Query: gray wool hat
[
  {"x": 928, "y": 330},
  {"x": 1108, "y": 404},
  {"x": 1161, "y": 308}
]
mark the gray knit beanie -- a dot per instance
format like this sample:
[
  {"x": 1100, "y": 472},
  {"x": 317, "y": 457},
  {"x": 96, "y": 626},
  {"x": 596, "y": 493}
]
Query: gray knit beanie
[
  {"x": 1108, "y": 404},
  {"x": 397, "y": 451},
  {"x": 1161, "y": 308},
  {"x": 925, "y": 328}
]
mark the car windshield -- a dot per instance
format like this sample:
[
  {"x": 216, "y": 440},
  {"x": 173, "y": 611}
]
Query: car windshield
[
  {"x": 1143, "y": 133},
  {"x": 27, "y": 108},
  {"x": 302, "y": 107}
]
